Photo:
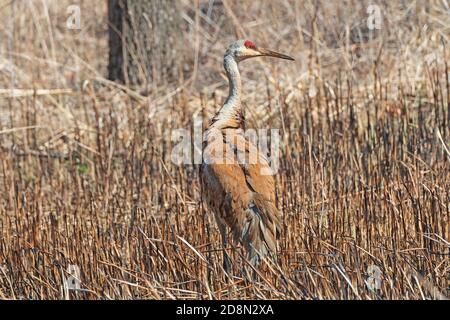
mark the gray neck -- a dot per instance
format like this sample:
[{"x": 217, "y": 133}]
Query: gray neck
[{"x": 232, "y": 107}]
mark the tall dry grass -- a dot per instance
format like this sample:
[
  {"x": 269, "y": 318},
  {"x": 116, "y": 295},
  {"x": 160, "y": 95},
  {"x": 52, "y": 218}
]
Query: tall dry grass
[{"x": 86, "y": 177}]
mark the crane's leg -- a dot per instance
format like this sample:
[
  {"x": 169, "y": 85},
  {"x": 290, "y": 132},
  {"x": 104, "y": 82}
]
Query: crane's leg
[{"x": 226, "y": 258}]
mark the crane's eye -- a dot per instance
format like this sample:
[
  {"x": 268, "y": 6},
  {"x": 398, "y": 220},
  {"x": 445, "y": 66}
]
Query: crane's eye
[{"x": 249, "y": 45}]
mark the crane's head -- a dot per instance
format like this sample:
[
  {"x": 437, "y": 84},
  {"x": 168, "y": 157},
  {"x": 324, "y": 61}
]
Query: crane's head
[{"x": 244, "y": 49}]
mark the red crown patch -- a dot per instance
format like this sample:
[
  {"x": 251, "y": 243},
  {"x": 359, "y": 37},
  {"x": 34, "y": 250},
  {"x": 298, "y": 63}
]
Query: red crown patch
[{"x": 250, "y": 45}]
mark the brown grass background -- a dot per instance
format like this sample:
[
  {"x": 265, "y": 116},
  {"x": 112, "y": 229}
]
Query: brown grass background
[{"x": 86, "y": 177}]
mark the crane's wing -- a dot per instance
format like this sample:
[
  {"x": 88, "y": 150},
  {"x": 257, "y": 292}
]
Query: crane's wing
[{"x": 242, "y": 196}]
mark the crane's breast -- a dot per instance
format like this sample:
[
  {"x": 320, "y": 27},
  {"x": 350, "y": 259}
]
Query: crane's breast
[{"x": 233, "y": 171}]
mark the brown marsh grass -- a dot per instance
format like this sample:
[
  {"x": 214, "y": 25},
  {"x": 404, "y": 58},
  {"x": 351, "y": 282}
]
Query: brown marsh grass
[{"x": 86, "y": 176}]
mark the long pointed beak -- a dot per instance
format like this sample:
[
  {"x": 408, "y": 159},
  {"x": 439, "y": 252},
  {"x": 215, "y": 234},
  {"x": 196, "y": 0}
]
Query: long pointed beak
[{"x": 269, "y": 53}]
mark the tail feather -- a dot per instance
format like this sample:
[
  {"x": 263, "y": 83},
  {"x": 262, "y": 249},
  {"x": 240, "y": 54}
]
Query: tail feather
[{"x": 259, "y": 230}]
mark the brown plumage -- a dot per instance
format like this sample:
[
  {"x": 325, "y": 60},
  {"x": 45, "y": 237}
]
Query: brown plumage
[{"x": 237, "y": 180}]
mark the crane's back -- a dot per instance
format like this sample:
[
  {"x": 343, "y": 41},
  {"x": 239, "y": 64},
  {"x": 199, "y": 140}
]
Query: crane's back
[{"x": 240, "y": 196}]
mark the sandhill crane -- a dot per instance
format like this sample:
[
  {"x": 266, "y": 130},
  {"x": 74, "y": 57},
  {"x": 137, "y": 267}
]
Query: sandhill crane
[{"x": 241, "y": 198}]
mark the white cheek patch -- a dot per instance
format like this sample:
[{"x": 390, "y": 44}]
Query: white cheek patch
[{"x": 246, "y": 53}]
